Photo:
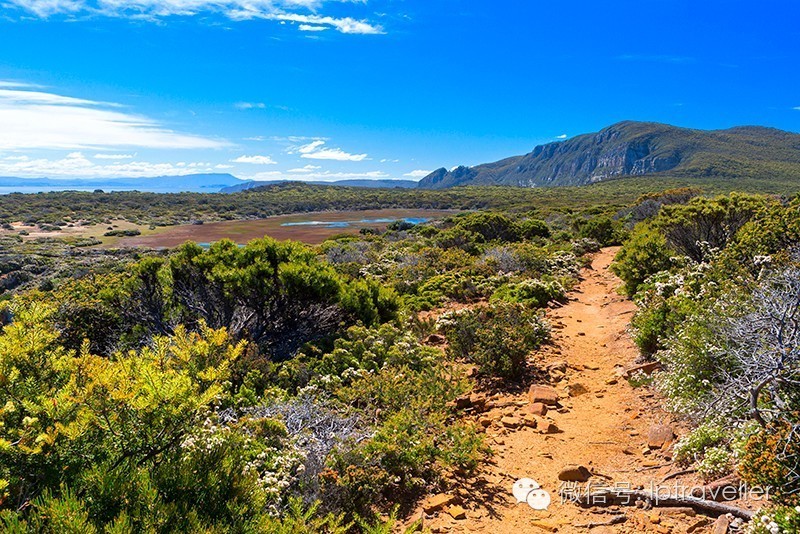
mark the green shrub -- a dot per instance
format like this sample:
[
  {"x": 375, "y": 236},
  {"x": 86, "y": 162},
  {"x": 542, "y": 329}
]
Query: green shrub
[
  {"x": 692, "y": 447},
  {"x": 497, "y": 338},
  {"x": 532, "y": 293},
  {"x": 643, "y": 254},
  {"x": 602, "y": 229}
]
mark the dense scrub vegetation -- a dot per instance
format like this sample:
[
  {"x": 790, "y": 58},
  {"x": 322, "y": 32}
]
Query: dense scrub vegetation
[
  {"x": 717, "y": 281},
  {"x": 277, "y": 387},
  {"x": 272, "y": 387},
  {"x": 58, "y": 209}
]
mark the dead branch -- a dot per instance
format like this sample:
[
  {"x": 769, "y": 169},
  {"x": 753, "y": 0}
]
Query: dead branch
[
  {"x": 678, "y": 474},
  {"x": 616, "y": 520},
  {"x": 618, "y": 496}
]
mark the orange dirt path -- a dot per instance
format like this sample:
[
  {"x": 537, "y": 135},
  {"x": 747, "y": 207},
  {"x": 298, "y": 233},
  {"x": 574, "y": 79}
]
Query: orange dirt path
[{"x": 604, "y": 428}]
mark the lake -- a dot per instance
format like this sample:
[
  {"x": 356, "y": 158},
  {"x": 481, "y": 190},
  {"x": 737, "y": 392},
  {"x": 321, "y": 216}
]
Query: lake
[{"x": 312, "y": 228}]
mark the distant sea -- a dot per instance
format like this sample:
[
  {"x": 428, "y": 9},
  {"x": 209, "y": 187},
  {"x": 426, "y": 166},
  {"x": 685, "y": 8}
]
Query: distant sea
[{"x": 6, "y": 190}]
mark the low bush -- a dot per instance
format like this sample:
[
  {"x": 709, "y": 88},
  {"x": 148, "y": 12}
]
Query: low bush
[
  {"x": 531, "y": 293},
  {"x": 497, "y": 338}
]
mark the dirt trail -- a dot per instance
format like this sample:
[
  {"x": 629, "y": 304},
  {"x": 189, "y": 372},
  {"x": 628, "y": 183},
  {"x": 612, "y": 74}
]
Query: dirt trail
[{"x": 604, "y": 428}]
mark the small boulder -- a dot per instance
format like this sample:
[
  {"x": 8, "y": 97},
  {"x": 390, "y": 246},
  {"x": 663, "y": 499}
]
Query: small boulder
[
  {"x": 510, "y": 421},
  {"x": 646, "y": 368},
  {"x": 660, "y": 436},
  {"x": 544, "y": 394},
  {"x": 574, "y": 473},
  {"x": 437, "y": 502},
  {"x": 478, "y": 402},
  {"x": 721, "y": 525},
  {"x": 457, "y": 512},
  {"x": 538, "y": 408},
  {"x": 548, "y": 427}
]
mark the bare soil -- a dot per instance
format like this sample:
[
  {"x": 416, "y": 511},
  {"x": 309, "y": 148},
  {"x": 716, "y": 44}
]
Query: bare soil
[{"x": 603, "y": 425}]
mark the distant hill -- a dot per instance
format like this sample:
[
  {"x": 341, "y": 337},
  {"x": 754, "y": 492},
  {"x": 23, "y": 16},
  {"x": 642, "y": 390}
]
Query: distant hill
[
  {"x": 636, "y": 149},
  {"x": 198, "y": 183},
  {"x": 381, "y": 184}
]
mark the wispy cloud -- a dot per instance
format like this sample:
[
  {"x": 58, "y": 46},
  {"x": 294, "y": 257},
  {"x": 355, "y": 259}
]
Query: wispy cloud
[
  {"x": 76, "y": 165},
  {"x": 255, "y": 160},
  {"x": 115, "y": 157},
  {"x": 250, "y": 105},
  {"x": 310, "y": 28},
  {"x": 796, "y": 108},
  {"x": 44, "y": 120},
  {"x": 318, "y": 150},
  {"x": 304, "y": 170},
  {"x": 303, "y": 13},
  {"x": 562, "y": 136},
  {"x": 419, "y": 173}
]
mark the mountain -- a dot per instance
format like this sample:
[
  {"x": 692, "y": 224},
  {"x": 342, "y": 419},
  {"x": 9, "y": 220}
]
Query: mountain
[
  {"x": 198, "y": 183},
  {"x": 381, "y": 184},
  {"x": 638, "y": 148}
]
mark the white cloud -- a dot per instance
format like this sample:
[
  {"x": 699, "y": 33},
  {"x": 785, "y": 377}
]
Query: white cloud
[
  {"x": 306, "y": 169},
  {"x": 278, "y": 10},
  {"x": 42, "y": 120},
  {"x": 76, "y": 165},
  {"x": 317, "y": 150},
  {"x": 113, "y": 156},
  {"x": 255, "y": 160},
  {"x": 310, "y": 28},
  {"x": 417, "y": 174},
  {"x": 562, "y": 136},
  {"x": 250, "y": 105},
  {"x": 797, "y": 108}
]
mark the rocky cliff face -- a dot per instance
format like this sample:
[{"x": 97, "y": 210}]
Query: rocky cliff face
[{"x": 623, "y": 149}]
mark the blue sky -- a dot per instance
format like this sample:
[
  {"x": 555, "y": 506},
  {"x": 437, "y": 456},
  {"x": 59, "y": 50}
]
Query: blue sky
[{"x": 318, "y": 89}]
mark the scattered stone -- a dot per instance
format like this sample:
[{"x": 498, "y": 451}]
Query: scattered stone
[
  {"x": 660, "y": 436},
  {"x": 559, "y": 366},
  {"x": 548, "y": 526},
  {"x": 457, "y": 512},
  {"x": 591, "y": 367},
  {"x": 574, "y": 473},
  {"x": 612, "y": 382},
  {"x": 478, "y": 402},
  {"x": 544, "y": 394},
  {"x": 437, "y": 502},
  {"x": 548, "y": 427},
  {"x": 529, "y": 421},
  {"x": 697, "y": 525},
  {"x": 646, "y": 368},
  {"x": 462, "y": 402},
  {"x": 679, "y": 510},
  {"x": 509, "y": 421},
  {"x": 538, "y": 408},
  {"x": 485, "y": 422},
  {"x": 655, "y": 517},
  {"x": 576, "y": 390},
  {"x": 721, "y": 525}
]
